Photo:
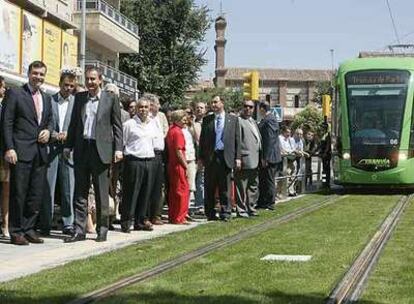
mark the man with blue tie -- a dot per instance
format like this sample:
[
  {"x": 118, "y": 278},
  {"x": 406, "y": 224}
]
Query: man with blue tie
[{"x": 219, "y": 153}]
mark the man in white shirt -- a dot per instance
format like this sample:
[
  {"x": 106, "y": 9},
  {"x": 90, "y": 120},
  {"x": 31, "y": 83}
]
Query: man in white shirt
[
  {"x": 139, "y": 170},
  {"x": 287, "y": 150},
  {"x": 60, "y": 169}
]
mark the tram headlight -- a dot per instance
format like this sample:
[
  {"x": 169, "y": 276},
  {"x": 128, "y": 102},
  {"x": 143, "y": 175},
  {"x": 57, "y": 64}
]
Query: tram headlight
[
  {"x": 346, "y": 156},
  {"x": 402, "y": 156}
]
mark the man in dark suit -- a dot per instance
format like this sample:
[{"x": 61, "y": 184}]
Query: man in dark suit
[
  {"x": 271, "y": 161},
  {"x": 220, "y": 154},
  {"x": 27, "y": 125},
  {"x": 95, "y": 135},
  {"x": 60, "y": 169}
]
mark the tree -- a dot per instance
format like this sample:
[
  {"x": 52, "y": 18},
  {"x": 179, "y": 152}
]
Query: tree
[
  {"x": 322, "y": 88},
  {"x": 309, "y": 119},
  {"x": 170, "y": 55},
  {"x": 233, "y": 99}
]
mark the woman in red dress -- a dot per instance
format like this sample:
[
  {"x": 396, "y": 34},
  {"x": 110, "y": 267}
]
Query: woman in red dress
[{"x": 178, "y": 188}]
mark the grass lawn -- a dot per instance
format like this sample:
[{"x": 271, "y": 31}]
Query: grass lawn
[
  {"x": 334, "y": 236},
  {"x": 393, "y": 279},
  {"x": 64, "y": 283}
]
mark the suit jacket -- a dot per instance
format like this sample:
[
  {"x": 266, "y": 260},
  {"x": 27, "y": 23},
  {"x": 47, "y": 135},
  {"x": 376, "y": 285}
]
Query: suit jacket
[
  {"x": 269, "y": 129},
  {"x": 250, "y": 144},
  {"x": 20, "y": 124},
  {"x": 231, "y": 140},
  {"x": 108, "y": 130},
  {"x": 56, "y": 147}
]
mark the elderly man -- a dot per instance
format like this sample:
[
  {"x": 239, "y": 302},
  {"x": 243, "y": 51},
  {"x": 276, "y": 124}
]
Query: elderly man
[
  {"x": 139, "y": 171},
  {"x": 219, "y": 153},
  {"x": 161, "y": 129},
  {"x": 247, "y": 178}
]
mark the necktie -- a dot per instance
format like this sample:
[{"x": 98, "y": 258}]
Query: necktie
[
  {"x": 219, "y": 133},
  {"x": 38, "y": 105}
]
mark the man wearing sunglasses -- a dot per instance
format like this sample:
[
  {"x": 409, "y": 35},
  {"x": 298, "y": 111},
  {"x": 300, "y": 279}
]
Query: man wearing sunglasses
[{"x": 247, "y": 178}]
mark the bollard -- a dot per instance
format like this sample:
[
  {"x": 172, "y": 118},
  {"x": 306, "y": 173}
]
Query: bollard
[
  {"x": 284, "y": 182},
  {"x": 303, "y": 174}
]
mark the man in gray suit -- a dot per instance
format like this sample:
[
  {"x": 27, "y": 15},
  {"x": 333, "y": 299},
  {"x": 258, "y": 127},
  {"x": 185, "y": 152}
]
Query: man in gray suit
[
  {"x": 95, "y": 135},
  {"x": 247, "y": 178},
  {"x": 59, "y": 168}
]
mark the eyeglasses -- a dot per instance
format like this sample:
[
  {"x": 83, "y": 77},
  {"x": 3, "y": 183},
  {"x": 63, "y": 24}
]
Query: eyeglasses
[{"x": 249, "y": 106}]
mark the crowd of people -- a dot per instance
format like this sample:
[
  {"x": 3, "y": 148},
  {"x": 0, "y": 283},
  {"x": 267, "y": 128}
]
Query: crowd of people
[{"x": 106, "y": 164}]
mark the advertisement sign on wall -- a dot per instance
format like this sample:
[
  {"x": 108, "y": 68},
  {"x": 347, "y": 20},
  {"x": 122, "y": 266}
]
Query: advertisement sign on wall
[
  {"x": 69, "y": 51},
  {"x": 32, "y": 32},
  {"x": 52, "y": 41},
  {"x": 10, "y": 23}
]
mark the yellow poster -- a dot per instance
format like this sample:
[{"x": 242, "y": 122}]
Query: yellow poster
[
  {"x": 32, "y": 32},
  {"x": 69, "y": 51},
  {"x": 10, "y": 36},
  {"x": 52, "y": 41}
]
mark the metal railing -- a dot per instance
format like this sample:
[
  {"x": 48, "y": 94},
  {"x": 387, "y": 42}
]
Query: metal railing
[
  {"x": 112, "y": 13},
  {"x": 121, "y": 79}
]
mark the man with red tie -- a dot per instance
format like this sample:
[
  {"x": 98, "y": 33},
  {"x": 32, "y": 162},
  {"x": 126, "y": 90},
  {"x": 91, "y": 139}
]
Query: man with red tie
[{"x": 27, "y": 124}]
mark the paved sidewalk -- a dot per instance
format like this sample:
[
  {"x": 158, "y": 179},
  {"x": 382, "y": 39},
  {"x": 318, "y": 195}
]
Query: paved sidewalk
[{"x": 19, "y": 261}]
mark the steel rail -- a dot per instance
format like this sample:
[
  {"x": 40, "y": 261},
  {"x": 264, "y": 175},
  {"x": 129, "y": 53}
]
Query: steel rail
[
  {"x": 192, "y": 255},
  {"x": 353, "y": 283}
]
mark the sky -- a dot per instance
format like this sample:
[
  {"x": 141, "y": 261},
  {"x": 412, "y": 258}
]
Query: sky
[{"x": 299, "y": 34}]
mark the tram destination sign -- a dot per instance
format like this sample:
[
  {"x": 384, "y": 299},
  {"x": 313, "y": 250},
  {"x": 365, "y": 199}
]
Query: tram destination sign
[{"x": 377, "y": 77}]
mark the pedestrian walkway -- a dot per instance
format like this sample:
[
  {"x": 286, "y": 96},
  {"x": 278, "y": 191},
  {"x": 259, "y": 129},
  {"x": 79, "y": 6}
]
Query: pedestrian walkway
[{"x": 19, "y": 261}]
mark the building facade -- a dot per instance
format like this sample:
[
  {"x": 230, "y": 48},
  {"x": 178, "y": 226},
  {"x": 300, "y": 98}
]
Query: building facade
[
  {"x": 290, "y": 89},
  {"x": 49, "y": 30}
]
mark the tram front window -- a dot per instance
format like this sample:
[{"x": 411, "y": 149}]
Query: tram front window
[{"x": 376, "y": 103}]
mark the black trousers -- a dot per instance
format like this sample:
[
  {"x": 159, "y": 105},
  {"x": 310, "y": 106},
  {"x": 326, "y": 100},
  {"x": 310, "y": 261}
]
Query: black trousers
[
  {"x": 267, "y": 184},
  {"x": 155, "y": 201},
  {"x": 27, "y": 182},
  {"x": 138, "y": 177},
  {"x": 217, "y": 176},
  {"x": 90, "y": 167},
  {"x": 326, "y": 171}
]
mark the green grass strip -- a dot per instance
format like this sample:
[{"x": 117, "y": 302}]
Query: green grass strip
[
  {"x": 393, "y": 279},
  {"x": 64, "y": 283},
  {"x": 333, "y": 235}
]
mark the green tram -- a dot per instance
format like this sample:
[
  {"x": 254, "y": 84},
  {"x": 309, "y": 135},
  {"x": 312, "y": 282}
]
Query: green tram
[{"x": 372, "y": 123}]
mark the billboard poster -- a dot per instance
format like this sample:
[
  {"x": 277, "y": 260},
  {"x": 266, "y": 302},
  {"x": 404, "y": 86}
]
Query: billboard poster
[
  {"x": 32, "y": 32},
  {"x": 52, "y": 41},
  {"x": 69, "y": 51},
  {"x": 10, "y": 36}
]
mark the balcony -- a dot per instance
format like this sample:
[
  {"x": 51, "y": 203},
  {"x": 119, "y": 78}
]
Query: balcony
[
  {"x": 107, "y": 26},
  {"x": 127, "y": 84}
]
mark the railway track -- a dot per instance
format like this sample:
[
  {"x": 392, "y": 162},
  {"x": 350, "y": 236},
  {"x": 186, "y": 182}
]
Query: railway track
[
  {"x": 353, "y": 283},
  {"x": 192, "y": 255}
]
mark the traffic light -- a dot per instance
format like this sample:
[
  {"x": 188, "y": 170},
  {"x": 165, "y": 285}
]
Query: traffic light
[
  {"x": 326, "y": 105},
  {"x": 251, "y": 85}
]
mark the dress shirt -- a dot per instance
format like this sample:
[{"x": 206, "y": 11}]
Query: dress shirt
[
  {"x": 219, "y": 129},
  {"x": 286, "y": 145},
  {"x": 159, "y": 142},
  {"x": 190, "y": 154},
  {"x": 91, "y": 109},
  {"x": 38, "y": 95},
  {"x": 63, "y": 104},
  {"x": 139, "y": 137}
]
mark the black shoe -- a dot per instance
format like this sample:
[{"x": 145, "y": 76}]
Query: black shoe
[
  {"x": 111, "y": 227},
  {"x": 68, "y": 230},
  {"x": 293, "y": 194},
  {"x": 44, "y": 232},
  {"x": 144, "y": 227},
  {"x": 102, "y": 237},
  {"x": 74, "y": 238},
  {"x": 254, "y": 213},
  {"x": 33, "y": 238}
]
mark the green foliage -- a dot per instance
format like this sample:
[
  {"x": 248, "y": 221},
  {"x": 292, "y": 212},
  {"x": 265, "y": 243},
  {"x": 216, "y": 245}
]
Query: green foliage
[
  {"x": 170, "y": 56},
  {"x": 309, "y": 119},
  {"x": 322, "y": 88},
  {"x": 233, "y": 99}
]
